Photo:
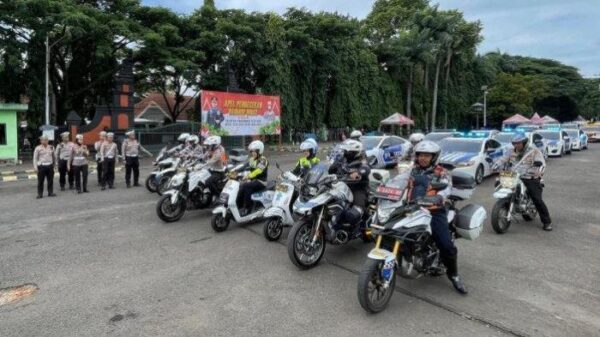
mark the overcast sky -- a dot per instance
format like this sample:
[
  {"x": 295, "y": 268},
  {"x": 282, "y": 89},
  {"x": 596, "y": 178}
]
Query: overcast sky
[{"x": 565, "y": 30}]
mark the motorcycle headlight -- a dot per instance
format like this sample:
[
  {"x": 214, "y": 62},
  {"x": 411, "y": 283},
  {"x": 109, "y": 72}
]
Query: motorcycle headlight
[{"x": 508, "y": 180}]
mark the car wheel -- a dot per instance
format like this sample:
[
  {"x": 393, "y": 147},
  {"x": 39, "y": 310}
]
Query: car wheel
[{"x": 479, "y": 174}]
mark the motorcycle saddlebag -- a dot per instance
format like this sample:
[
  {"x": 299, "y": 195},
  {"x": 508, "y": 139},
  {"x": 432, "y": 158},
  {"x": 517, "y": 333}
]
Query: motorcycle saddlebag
[
  {"x": 463, "y": 185},
  {"x": 469, "y": 221}
]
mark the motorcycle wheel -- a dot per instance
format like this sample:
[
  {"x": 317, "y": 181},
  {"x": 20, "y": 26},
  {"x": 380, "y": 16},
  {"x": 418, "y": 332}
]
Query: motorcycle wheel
[
  {"x": 499, "y": 213},
  {"x": 163, "y": 185},
  {"x": 169, "y": 212},
  {"x": 300, "y": 249},
  {"x": 273, "y": 229},
  {"x": 151, "y": 184},
  {"x": 372, "y": 296},
  {"x": 219, "y": 223}
]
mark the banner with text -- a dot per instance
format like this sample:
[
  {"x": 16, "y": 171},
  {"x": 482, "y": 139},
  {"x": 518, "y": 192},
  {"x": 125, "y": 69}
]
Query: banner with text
[{"x": 232, "y": 114}]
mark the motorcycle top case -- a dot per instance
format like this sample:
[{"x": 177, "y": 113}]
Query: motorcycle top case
[
  {"x": 463, "y": 185},
  {"x": 469, "y": 221}
]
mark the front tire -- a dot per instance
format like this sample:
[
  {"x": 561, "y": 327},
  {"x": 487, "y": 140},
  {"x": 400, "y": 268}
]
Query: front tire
[
  {"x": 499, "y": 222},
  {"x": 372, "y": 296},
  {"x": 163, "y": 184},
  {"x": 273, "y": 229},
  {"x": 301, "y": 251},
  {"x": 219, "y": 223},
  {"x": 151, "y": 183},
  {"x": 168, "y": 212},
  {"x": 479, "y": 175}
]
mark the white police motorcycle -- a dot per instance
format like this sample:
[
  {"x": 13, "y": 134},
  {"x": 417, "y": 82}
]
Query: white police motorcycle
[
  {"x": 228, "y": 210},
  {"x": 280, "y": 214},
  {"x": 162, "y": 163}
]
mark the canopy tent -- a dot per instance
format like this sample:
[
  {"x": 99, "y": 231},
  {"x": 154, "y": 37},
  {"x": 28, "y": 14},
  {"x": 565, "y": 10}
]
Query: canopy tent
[
  {"x": 580, "y": 119},
  {"x": 536, "y": 119},
  {"x": 397, "y": 119},
  {"x": 516, "y": 119},
  {"x": 548, "y": 119}
]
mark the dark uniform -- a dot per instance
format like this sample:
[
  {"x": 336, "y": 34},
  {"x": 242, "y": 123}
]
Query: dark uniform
[
  {"x": 97, "y": 147},
  {"x": 44, "y": 159},
  {"x": 63, "y": 153},
  {"x": 359, "y": 188},
  {"x": 257, "y": 179}
]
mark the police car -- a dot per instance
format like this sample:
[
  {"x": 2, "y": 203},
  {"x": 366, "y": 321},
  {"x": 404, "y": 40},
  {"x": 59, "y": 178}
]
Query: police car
[
  {"x": 559, "y": 142},
  {"x": 505, "y": 138},
  {"x": 579, "y": 139},
  {"x": 384, "y": 151},
  {"x": 475, "y": 156},
  {"x": 436, "y": 136}
]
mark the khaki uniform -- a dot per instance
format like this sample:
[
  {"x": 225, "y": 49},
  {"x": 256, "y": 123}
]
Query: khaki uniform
[
  {"x": 44, "y": 159},
  {"x": 79, "y": 166},
  {"x": 63, "y": 154},
  {"x": 108, "y": 153},
  {"x": 97, "y": 146},
  {"x": 130, "y": 149}
]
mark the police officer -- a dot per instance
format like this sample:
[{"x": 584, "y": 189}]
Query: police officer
[
  {"x": 256, "y": 180},
  {"x": 110, "y": 156},
  {"x": 194, "y": 151},
  {"x": 356, "y": 134},
  {"x": 215, "y": 162},
  {"x": 309, "y": 148},
  {"x": 97, "y": 146},
  {"x": 425, "y": 172},
  {"x": 130, "y": 150},
  {"x": 79, "y": 164},
  {"x": 353, "y": 168},
  {"x": 44, "y": 159},
  {"x": 181, "y": 140},
  {"x": 529, "y": 161},
  {"x": 414, "y": 139},
  {"x": 63, "y": 153}
]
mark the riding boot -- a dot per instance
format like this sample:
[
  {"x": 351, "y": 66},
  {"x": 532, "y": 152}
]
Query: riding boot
[{"x": 451, "y": 264}]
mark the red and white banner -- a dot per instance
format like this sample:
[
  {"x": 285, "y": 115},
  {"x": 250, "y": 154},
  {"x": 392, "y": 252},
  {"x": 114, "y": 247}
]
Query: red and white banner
[{"x": 232, "y": 114}]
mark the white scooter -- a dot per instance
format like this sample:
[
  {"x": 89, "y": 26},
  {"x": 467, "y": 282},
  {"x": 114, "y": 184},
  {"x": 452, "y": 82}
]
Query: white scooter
[
  {"x": 162, "y": 162},
  {"x": 223, "y": 214},
  {"x": 279, "y": 215}
]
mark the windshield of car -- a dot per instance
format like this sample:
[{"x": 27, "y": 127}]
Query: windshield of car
[
  {"x": 460, "y": 145},
  {"x": 592, "y": 128},
  {"x": 370, "y": 142},
  {"x": 504, "y": 137},
  {"x": 573, "y": 133},
  {"x": 550, "y": 135},
  {"x": 435, "y": 136},
  {"x": 315, "y": 174}
]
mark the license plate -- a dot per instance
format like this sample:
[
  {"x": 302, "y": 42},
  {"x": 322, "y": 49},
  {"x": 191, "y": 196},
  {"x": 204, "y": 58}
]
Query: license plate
[
  {"x": 390, "y": 192},
  {"x": 281, "y": 188}
]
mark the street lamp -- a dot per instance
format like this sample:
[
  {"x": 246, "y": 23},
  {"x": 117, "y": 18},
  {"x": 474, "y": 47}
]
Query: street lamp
[
  {"x": 477, "y": 108},
  {"x": 47, "y": 84},
  {"x": 485, "y": 92}
]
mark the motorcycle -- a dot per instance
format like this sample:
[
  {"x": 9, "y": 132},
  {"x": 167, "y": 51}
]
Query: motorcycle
[
  {"x": 228, "y": 210},
  {"x": 187, "y": 190},
  {"x": 321, "y": 197},
  {"x": 512, "y": 198},
  {"x": 404, "y": 245},
  {"x": 280, "y": 214},
  {"x": 162, "y": 162}
]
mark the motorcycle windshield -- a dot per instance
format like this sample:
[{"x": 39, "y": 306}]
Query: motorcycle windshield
[
  {"x": 399, "y": 181},
  {"x": 315, "y": 174}
]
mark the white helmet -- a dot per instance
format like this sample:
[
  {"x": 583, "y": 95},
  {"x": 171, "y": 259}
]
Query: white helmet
[
  {"x": 213, "y": 140},
  {"x": 257, "y": 146},
  {"x": 428, "y": 146},
  {"x": 309, "y": 145},
  {"x": 356, "y": 134},
  {"x": 183, "y": 137},
  {"x": 194, "y": 139},
  {"x": 416, "y": 137},
  {"x": 352, "y": 148}
]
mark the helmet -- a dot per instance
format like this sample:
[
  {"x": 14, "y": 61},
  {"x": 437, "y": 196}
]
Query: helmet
[
  {"x": 102, "y": 133},
  {"x": 352, "y": 148},
  {"x": 520, "y": 138},
  {"x": 257, "y": 146},
  {"x": 212, "y": 142},
  {"x": 194, "y": 139},
  {"x": 79, "y": 137},
  {"x": 416, "y": 138},
  {"x": 309, "y": 145},
  {"x": 183, "y": 137},
  {"x": 428, "y": 146},
  {"x": 356, "y": 134}
]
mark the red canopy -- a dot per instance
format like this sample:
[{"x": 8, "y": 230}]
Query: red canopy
[
  {"x": 536, "y": 119},
  {"x": 548, "y": 119},
  {"x": 397, "y": 119},
  {"x": 516, "y": 119}
]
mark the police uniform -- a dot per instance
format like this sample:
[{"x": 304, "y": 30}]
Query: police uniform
[
  {"x": 130, "y": 150},
  {"x": 99, "y": 165},
  {"x": 215, "y": 163},
  {"x": 258, "y": 179},
  {"x": 44, "y": 159},
  {"x": 79, "y": 166},
  {"x": 63, "y": 154},
  {"x": 304, "y": 164},
  {"x": 109, "y": 153}
]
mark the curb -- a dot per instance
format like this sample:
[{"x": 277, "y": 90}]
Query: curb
[{"x": 31, "y": 175}]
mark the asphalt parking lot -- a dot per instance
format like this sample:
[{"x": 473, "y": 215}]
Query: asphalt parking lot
[{"x": 105, "y": 265}]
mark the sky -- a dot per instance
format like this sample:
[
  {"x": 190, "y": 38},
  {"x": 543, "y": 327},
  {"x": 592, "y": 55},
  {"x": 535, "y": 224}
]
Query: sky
[{"x": 564, "y": 30}]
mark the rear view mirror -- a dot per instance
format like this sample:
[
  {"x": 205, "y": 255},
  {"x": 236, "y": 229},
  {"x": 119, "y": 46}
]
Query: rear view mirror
[{"x": 438, "y": 186}]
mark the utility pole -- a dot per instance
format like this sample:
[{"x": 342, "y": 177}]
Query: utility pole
[
  {"x": 485, "y": 92},
  {"x": 46, "y": 98}
]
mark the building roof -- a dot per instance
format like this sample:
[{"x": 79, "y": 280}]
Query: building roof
[{"x": 156, "y": 99}]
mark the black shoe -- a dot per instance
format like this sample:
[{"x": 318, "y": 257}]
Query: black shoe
[
  {"x": 86, "y": 191},
  {"x": 79, "y": 192},
  {"x": 459, "y": 285},
  {"x": 71, "y": 187},
  {"x": 548, "y": 227},
  {"x": 136, "y": 185},
  {"x": 110, "y": 187},
  {"x": 128, "y": 186},
  {"x": 103, "y": 188},
  {"x": 51, "y": 195},
  {"x": 39, "y": 197},
  {"x": 62, "y": 188}
]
